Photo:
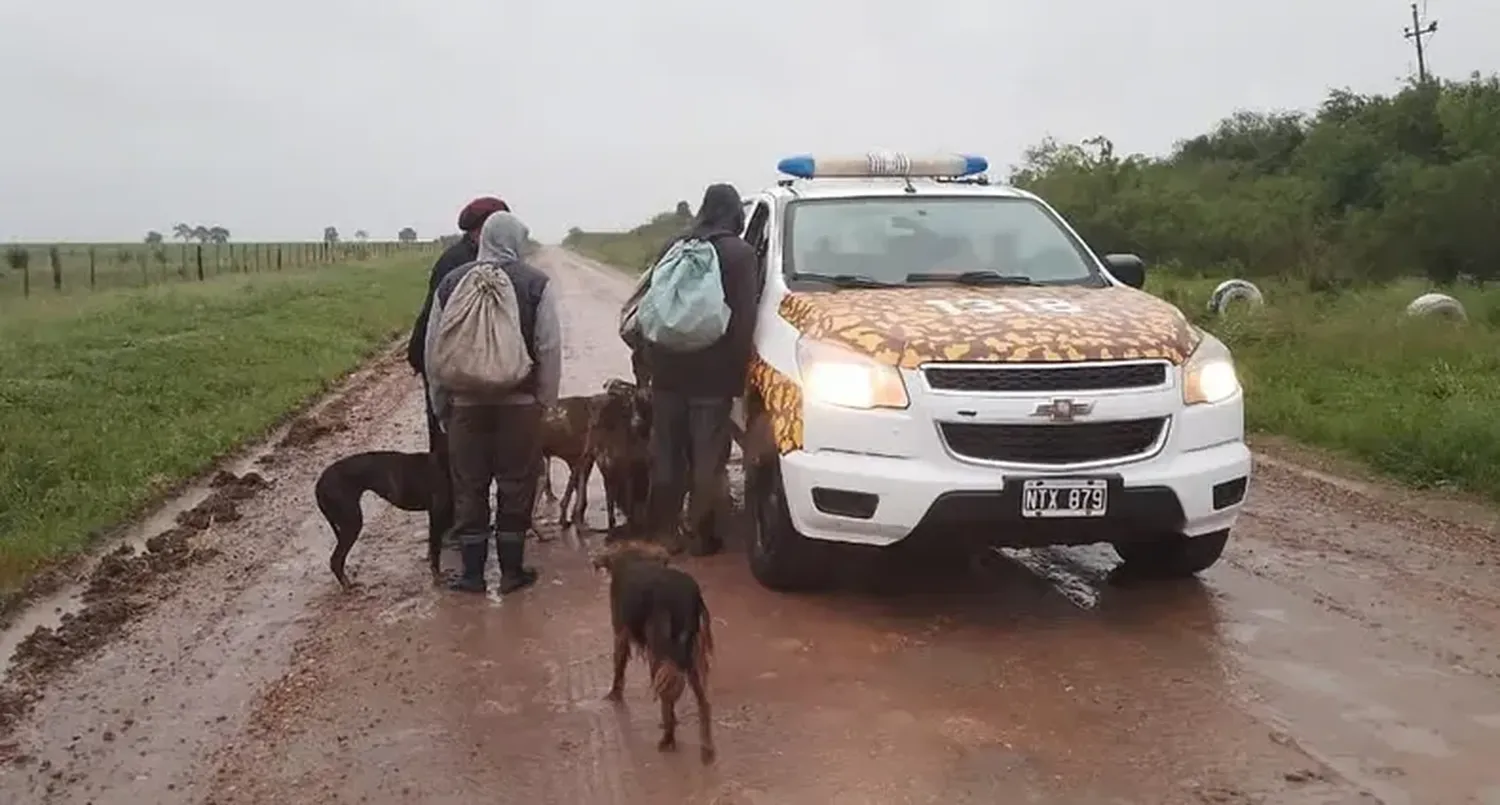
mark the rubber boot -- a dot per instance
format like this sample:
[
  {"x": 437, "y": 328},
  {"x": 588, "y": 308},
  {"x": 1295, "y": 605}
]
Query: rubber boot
[
  {"x": 472, "y": 581},
  {"x": 510, "y": 550}
]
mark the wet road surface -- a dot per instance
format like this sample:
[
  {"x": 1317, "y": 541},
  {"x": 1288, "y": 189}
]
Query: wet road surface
[{"x": 1347, "y": 651}]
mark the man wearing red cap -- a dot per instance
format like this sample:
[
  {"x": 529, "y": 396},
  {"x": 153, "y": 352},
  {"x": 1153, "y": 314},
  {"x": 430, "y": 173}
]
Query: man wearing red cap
[{"x": 465, "y": 250}]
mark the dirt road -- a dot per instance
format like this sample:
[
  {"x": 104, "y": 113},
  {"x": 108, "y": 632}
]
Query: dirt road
[{"x": 1347, "y": 651}]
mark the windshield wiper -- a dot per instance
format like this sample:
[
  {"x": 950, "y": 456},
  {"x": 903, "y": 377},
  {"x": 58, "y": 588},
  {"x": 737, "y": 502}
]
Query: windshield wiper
[
  {"x": 973, "y": 278},
  {"x": 846, "y": 280}
]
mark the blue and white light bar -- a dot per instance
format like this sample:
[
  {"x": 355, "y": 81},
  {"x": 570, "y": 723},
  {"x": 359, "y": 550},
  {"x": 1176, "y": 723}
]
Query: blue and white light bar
[{"x": 873, "y": 164}]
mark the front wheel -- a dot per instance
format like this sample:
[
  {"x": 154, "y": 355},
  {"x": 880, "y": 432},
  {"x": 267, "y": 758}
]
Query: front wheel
[
  {"x": 1176, "y": 556},
  {"x": 780, "y": 557}
]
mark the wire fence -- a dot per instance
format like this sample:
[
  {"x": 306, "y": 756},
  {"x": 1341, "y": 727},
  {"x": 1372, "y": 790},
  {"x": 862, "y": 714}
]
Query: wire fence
[{"x": 28, "y": 270}]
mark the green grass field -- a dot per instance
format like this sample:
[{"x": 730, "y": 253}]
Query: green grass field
[
  {"x": 107, "y": 399},
  {"x": 1417, "y": 399}
]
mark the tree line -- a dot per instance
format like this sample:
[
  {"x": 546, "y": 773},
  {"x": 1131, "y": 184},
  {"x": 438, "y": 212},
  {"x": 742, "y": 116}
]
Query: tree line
[
  {"x": 1366, "y": 188},
  {"x": 219, "y": 235}
]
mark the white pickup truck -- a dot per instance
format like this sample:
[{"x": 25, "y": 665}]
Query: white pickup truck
[{"x": 943, "y": 363}]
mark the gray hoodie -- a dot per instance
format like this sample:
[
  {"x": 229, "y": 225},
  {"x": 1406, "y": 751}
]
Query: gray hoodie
[{"x": 501, "y": 241}]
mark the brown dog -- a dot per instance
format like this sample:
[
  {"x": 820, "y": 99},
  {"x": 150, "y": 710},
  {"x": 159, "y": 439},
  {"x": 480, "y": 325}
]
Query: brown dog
[
  {"x": 659, "y": 610},
  {"x": 409, "y": 481}
]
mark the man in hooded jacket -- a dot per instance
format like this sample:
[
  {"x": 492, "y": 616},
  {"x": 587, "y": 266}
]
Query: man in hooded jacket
[
  {"x": 498, "y": 437},
  {"x": 692, "y": 393},
  {"x": 464, "y": 250}
]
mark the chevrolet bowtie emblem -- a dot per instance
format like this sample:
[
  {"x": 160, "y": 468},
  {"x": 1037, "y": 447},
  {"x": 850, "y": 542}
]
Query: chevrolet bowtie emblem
[{"x": 1063, "y": 410}]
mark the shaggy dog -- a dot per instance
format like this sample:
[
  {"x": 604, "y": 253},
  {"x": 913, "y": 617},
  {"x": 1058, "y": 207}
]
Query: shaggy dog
[{"x": 659, "y": 610}]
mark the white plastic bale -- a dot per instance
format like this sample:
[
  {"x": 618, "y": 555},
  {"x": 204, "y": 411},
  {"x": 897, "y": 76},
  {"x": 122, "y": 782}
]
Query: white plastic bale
[
  {"x": 1437, "y": 304},
  {"x": 1235, "y": 290}
]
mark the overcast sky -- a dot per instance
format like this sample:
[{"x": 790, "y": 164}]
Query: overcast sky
[{"x": 276, "y": 118}]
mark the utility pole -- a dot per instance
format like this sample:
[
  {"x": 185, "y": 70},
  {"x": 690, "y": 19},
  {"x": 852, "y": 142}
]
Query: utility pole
[{"x": 1415, "y": 33}]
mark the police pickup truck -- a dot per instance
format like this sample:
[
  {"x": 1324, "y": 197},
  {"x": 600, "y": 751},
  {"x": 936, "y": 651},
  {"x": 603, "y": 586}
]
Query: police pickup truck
[{"x": 941, "y": 364}]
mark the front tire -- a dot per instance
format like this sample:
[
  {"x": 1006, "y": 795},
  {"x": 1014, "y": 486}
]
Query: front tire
[
  {"x": 1173, "y": 557},
  {"x": 781, "y": 558}
]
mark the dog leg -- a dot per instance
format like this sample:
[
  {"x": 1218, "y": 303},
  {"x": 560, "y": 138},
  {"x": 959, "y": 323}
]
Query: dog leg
[
  {"x": 347, "y": 521},
  {"x": 622, "y": 656},
  {"x": 668, "y": 740},
  {"x": 609, "y": 510},
  {"x": 563, "y": 517},
  {"x": 346, "y": 538},
  {"x": 706, "y": 751},
  {"x": 435, "y": 556},
  {"x": 544, "y": 476},
  {"x": 583, "y": 471}
]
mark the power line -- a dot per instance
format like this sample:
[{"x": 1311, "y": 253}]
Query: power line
[{"x": 1415, "y": 33}]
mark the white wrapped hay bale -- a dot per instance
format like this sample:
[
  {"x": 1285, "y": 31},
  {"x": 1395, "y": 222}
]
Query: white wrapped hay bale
[
  {"x": 1437, "y": 304},
  {"x": 1235, "y": 290}
]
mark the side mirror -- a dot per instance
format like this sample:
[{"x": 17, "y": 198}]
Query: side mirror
[{"x": 1127, "y": 268}]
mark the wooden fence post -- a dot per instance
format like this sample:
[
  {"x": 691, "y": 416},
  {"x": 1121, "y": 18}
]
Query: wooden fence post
[
  {"x": 278, "y": 258},
  {"x": 199, "y": 251},
  {"x": 93, "y": 279},
  {"x": 54, "y": 255}
]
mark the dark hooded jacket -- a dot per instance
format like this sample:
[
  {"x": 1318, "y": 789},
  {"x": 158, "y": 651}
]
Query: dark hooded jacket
[
  {"x": 719, "y": 369},
  {"x": 466, "y": 250}
]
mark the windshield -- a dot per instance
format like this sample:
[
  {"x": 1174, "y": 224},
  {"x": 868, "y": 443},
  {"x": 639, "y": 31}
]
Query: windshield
[{"x": 904, "y": 240}]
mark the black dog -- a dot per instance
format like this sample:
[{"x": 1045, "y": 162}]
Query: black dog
[
  {"x": 409, "y": 481},
  {"x": 660, "y": 610}
]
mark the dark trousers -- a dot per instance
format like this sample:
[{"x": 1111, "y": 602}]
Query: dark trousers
[
  {"x": 440, "y": 516},
  {"x": 499, "y": 443},
  {"x": 690, "y": 439}
]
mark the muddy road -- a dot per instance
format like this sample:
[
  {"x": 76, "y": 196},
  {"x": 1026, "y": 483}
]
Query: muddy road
[{"x": 1347, "y": 651}]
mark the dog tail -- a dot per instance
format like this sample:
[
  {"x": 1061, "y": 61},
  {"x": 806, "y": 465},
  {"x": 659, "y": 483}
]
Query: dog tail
[
  {"x": 703, "y": 646},
  {"x": 668, "y": 666}
]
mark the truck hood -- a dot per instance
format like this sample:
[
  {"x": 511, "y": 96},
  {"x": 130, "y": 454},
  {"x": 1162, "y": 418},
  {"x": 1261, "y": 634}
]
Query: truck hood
[{"x": 910, "y": 326}]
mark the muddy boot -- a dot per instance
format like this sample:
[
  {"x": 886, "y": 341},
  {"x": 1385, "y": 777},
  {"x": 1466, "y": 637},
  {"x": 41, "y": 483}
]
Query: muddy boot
[
  {"x": 510, "y": 550},
  {"x": 472, "y": 581}
]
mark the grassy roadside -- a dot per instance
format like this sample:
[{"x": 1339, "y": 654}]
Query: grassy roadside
[
  {"x": 109, "y": 399},
  {"x": 1415, "y": 399}
]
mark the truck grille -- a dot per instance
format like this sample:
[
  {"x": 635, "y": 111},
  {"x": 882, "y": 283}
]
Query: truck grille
[
  {"x": 1053, "y": 444},
  {"x": 1066, "y": 377}
]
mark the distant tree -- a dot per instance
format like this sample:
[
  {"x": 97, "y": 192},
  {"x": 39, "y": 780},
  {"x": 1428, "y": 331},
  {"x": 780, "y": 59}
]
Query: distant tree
[
  {"x": 153, "y": 238},
  {"x": 218, "y": 234},
  {"x": 683, "y": 210},
  {"x": 201, "y": 233},
  {"x": 361, "y": 235},
  {"x": 407, "y": 235},
  {"x": 330, "y": 234},
  {"x": 182, "y": 232},
  {"x": 18, "y": 258}
]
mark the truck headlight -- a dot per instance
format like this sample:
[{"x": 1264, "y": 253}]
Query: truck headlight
[
  {"x": 1209, "y": 375},
  {"x": 837, "y": 376}
]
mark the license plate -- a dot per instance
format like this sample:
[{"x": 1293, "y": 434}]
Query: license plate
[{"x": 1064, "y": 497}]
